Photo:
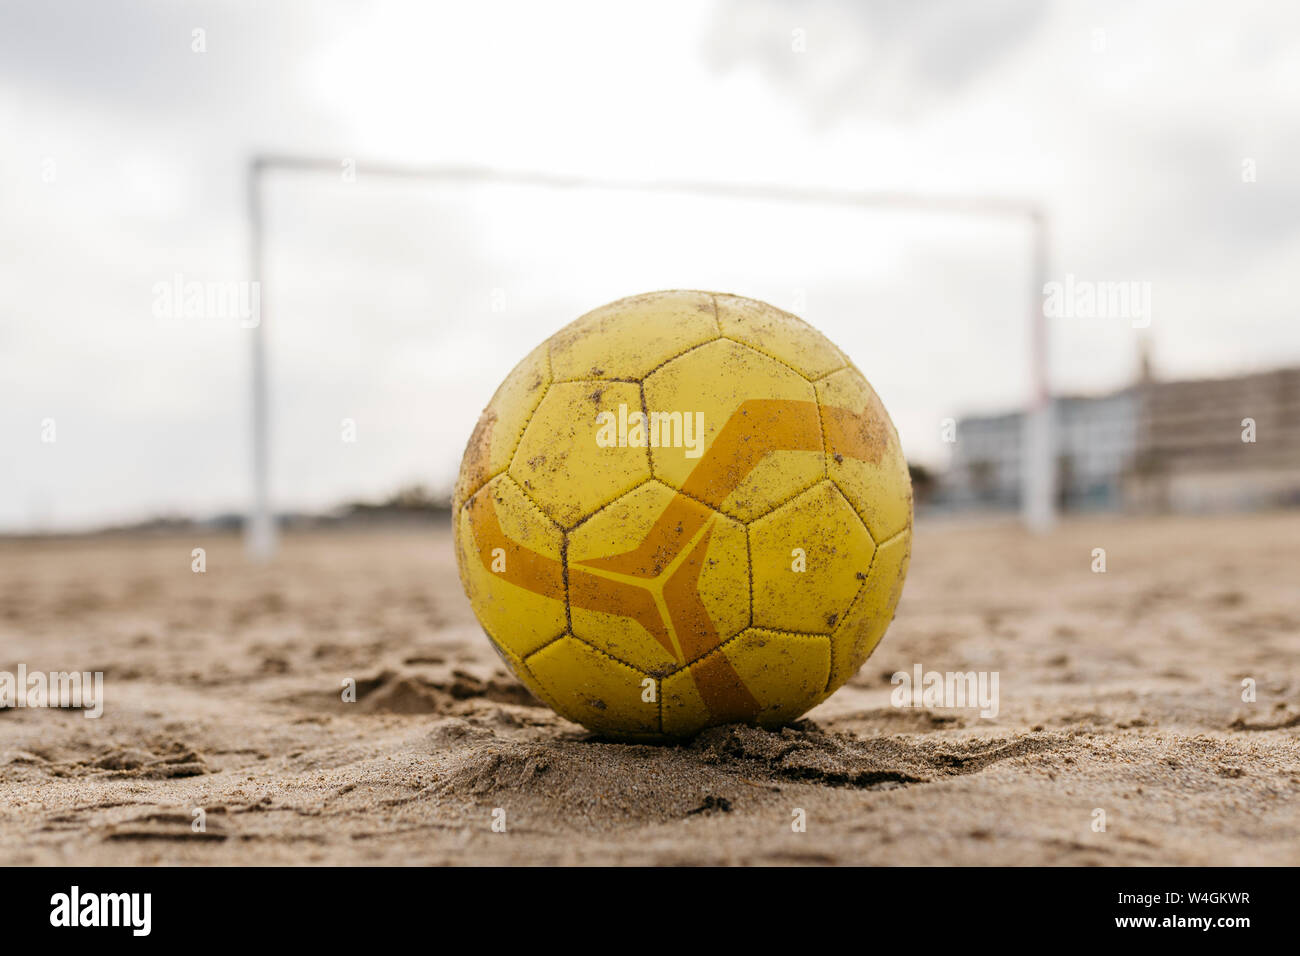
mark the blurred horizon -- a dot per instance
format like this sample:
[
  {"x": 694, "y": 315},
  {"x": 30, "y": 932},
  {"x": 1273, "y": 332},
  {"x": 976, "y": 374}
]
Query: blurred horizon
[{"x": 1160, "y": 136}]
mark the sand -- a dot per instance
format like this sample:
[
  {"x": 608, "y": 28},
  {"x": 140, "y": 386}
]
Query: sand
[{"x": 1119, "y": 692}]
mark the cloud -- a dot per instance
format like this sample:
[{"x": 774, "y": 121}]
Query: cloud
[{"x": 848, "y": 59}]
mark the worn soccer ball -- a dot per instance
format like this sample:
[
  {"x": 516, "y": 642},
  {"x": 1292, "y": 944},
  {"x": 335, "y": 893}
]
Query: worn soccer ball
[{"x": 683, "y": 509}]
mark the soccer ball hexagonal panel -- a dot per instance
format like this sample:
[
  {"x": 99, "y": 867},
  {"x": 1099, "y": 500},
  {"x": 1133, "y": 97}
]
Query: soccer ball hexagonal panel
[
  {"x": 511, "y": 564},
  {"x": 810, "y": 557},
  {"x": 755, "y": 432},
  {"x": 594, "y": 689},
  {"x": 760, "y": 676},
  {"x": 863, "y": 625},
  {"x": 502, "y": 423},
  {"x": 863, "y": 454},
  {"x": 779, "y": 334},
  {"x": 629, "y": 338}
]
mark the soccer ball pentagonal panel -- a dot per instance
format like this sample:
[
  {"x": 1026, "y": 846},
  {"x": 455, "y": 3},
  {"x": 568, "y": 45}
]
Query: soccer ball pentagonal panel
[
  {"x": 761, "y": 441},
  {"x": 677, "y": 593}
]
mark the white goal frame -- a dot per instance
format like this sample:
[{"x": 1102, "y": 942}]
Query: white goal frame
[{"x": 1038, "y": 492}]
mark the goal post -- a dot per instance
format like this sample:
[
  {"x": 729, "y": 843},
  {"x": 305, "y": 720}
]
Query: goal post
[{"x": 1037, "y": 458}]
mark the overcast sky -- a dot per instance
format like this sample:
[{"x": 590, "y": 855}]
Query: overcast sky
[{"x": 1163, "y": 138}]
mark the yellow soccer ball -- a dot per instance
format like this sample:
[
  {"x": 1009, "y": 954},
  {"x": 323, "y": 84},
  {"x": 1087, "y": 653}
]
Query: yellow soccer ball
[{"x": 683, "y": 509}]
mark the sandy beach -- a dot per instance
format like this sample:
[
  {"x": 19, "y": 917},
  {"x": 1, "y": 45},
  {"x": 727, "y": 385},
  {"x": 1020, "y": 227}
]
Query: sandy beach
[{"x": 1119, "y": 692}]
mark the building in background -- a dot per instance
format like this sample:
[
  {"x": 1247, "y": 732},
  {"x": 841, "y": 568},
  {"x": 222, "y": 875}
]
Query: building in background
[
  {"x": 1155, "y": 446},
  {"x": 1192, "y": 452},
  {"x": 1096, "y": 448}
]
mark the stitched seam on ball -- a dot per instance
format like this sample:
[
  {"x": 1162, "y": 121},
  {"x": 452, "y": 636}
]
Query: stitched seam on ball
[
  {"x": 599, "y": 650},
  {"x": 528, "y": 419},
  {"x": 743, "y": 521},
  {"x": 749, "y": 561},
  {"x": 787, "y": 630},
  {"x": 778, "y": 359},
  {"x": 486, "y": 481},
  {"x": 513, "y": 653},
  {"x": 617, "y": 497},
  {"x": 888, "y": 421},
  {"x": 536, "y": 650},
  {"x": 659, "y": 699},
  {"x": 596, "y": 381},
  {"x": 719, "y": 335},
  {"x": 645, "y": 410},
  {"x": 892, "y": 537},
  {"x": 700, "y": 501},
  {"x": 549, "y": 699},
  {"x": 602, "y": 652},
  {"x": 845, "y": 498},
  {"x": 673, "y": 358},
  {"x": 826, "y": 441},
  {"x": 541, "y": 693},
  {"x": 686, "y": 494},
  {"x": 781, "y": 504},
  {"x": 713, "y": 513},
  {"x": 836, "y": 371},
  {"x": 609, "y": 504},
  {"x": 538, "y": 508},
  {"x": 505, "y": 651},
  {"x": 564, "y": 576},
  {"x": 769, "y": 630},
  {"x": 861, "y": 520}
]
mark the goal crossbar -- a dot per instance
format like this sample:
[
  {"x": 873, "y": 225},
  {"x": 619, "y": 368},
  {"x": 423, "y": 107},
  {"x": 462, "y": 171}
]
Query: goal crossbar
[{"x": 1038, "y": 474}]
